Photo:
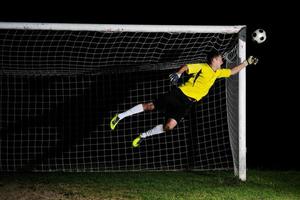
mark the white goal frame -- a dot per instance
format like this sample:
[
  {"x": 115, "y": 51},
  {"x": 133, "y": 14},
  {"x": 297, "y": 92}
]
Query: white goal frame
[{"x": 240, "y": 29}]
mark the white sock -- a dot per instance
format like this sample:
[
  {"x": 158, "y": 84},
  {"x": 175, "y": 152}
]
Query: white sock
[
  {"x": 156, "y": 130},
  {"x": 136, "y": 109}
]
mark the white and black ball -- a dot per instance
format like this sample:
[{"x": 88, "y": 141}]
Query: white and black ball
[{"x": 259, "y": 36}]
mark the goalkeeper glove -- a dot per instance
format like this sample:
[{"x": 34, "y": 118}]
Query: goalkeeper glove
[
  {"x": 252, "y": 60},
  {"x": 174, "y": 77}
]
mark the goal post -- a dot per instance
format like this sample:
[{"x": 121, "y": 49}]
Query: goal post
[
  {"x": 242, "y": 107},
  {"x": 61, "y": 84},
  {"x": 122, "y": 27}
]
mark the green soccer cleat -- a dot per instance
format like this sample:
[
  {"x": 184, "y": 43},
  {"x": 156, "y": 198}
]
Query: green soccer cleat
[
  {"x": 137, "y": 141},
  {"x": 114, "y": 121}
]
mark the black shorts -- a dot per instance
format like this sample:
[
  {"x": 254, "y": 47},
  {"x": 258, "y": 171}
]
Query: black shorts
[{"x": 174, "y": 103}]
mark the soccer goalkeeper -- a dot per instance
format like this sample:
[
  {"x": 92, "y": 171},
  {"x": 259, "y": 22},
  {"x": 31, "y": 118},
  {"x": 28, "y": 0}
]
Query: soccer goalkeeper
[{"x": 178, "y": 102}]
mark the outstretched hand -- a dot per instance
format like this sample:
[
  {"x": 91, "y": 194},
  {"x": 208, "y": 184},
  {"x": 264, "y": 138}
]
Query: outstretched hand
[{"x": 252, "y": 60}]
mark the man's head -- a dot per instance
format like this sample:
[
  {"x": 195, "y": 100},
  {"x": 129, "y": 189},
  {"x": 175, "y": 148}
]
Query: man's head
[{"x": 214, "y": 59}]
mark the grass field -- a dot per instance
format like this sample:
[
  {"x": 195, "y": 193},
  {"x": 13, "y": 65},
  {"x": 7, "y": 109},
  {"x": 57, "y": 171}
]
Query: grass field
[{"x": 150, "y": 185}]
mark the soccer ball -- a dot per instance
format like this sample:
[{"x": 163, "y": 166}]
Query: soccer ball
[{"x": 259, "y": 36}]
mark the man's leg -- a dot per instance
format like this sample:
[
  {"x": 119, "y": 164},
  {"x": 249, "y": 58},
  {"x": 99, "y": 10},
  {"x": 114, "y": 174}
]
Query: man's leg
[
  {"x": 134, "y": 110},
  {"x": 170, "y": 125}
]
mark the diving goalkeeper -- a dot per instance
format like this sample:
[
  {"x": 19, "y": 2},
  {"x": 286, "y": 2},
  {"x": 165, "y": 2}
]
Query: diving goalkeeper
[{"x": 178, "y": 102}]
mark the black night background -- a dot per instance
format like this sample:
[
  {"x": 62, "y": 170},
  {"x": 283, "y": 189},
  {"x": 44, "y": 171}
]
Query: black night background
[{"x": 272, "y": 103}]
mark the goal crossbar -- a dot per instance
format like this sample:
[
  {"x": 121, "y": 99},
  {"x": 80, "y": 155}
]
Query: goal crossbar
[{"x": 122, "y": 27}]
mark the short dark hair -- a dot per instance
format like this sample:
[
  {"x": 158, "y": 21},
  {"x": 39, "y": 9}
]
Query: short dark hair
[{"x": 211, "y": 55}]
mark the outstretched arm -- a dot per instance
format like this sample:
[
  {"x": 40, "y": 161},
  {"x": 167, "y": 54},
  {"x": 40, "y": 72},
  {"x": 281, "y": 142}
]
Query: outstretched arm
[{"x": 249, "y": 61}]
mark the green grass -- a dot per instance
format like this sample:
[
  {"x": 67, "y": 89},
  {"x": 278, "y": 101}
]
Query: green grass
[{"x": 151, "y": 185}]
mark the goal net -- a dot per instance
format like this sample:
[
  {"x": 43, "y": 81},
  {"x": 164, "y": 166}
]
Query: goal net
[{"x": 60, "y": 84}]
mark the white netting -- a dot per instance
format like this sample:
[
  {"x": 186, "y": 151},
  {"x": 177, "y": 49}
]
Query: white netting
[{"x": 59, "y": 90}]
